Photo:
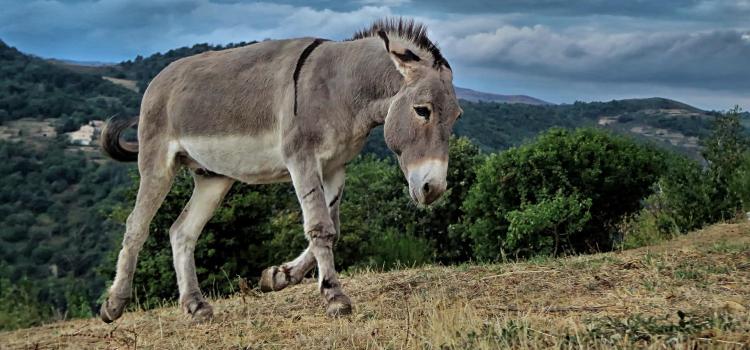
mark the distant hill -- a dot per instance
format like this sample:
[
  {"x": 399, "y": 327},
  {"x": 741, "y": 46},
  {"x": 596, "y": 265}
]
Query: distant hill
[
  {"x": 83, "y": 63},
  {"x": 31, "y": 87},
  {"x": 496, "y": 126},
  {"x": 477, "y": 96}
]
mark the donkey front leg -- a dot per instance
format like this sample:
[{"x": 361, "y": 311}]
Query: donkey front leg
[
  {"x": 320, "y": 229},
  {"x": 276, "y": 278}
]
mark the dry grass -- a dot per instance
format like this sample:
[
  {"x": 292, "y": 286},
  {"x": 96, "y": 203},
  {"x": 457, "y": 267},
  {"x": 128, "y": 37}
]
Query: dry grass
[{"x": 688, "y": 293}]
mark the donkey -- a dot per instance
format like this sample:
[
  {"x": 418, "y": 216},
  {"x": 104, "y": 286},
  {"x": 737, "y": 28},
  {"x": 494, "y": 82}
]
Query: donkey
[{"x": 276, "y": 111}]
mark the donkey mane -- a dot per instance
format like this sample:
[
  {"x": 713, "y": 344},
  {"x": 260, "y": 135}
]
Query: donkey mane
[{"x": 407, "y": 29}]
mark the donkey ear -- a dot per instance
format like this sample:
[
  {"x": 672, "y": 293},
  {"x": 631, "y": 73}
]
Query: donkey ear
[{"x": 406, "y": 61}]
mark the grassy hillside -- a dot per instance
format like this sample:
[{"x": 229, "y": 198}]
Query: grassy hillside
[{"x": 686, "y": 293}]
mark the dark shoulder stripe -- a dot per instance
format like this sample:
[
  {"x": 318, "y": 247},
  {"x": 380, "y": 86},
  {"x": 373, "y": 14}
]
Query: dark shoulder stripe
[{"x": 301, "y": 61}]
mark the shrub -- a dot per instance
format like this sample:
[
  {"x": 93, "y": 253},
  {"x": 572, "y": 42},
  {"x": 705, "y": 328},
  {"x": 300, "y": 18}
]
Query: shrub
[
  {"x": 649, "y": 226},
  {"x": 740, "y": 182},
  {"x": 724, "y": 151},
  {"x": 581, "y": 182},
  {"x": 686, "y": 193},
  {"x": 20, "y": 306},
  {"x": 544, "y": 226},
  {"x": 695, "y": 195}
]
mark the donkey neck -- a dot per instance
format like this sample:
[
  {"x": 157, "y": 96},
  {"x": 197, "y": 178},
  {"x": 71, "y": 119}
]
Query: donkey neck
[{"x": 370, "y": 78}]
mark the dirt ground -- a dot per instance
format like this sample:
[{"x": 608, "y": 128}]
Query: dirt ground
[{"x": 688, "y": 293}]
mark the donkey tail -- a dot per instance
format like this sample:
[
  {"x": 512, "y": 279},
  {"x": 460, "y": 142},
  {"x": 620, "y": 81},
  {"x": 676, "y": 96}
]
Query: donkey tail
[{"x": 111, "y": 143}]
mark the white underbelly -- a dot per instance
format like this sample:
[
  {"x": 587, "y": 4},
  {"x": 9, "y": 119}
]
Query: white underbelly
[{"x": 250, "y": 159}]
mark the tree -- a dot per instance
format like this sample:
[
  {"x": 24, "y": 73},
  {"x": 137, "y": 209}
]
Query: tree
[{"x": 724, "y": 151}]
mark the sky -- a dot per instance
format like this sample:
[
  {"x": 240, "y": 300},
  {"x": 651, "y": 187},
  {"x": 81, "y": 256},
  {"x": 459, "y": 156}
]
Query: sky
[{"x": 695, "y": 51}]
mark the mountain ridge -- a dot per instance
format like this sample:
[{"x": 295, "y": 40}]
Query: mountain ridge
[{"x": 472, "y": 95}]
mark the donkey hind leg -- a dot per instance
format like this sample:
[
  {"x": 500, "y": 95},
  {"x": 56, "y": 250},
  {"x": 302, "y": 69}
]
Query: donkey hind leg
[
  {"x": 208, "y": 193},
  {"x": 152, "y": 190},
  {"x": 276, "y": 278},
  {"x": 320, "y": 229}
]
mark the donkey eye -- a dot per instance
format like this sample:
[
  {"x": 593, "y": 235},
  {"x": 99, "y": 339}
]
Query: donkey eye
[{"x": 423, "y": 112}]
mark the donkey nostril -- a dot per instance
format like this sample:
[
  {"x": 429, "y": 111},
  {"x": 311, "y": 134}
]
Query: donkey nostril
[{"x": 426, "y": 188}]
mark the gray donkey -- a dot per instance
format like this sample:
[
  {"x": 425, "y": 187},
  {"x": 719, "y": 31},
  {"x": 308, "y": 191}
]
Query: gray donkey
[{"x": 277, "y": 111}]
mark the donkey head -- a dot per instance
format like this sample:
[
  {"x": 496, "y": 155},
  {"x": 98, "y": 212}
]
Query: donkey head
[{"x": 420, "y": 119}]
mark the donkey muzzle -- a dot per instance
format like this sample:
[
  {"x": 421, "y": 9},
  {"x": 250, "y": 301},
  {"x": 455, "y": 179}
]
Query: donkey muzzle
[{"x": 427, "y": 180}]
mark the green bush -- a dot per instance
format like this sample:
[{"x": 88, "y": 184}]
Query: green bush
[
  {"x": 580, "y": 183},
  {"x": 686, "y": 193},
  {"x": 696, "y": 195},
  {"x": 740, "y": 182},
  {"x": 724, "y": 151},
  {"x": 651, "y": 225},
  {"x": 543, "y": 227},
  {"x": 20, "y": 306}
]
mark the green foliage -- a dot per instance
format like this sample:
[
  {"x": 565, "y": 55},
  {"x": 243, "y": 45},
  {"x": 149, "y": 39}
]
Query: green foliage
[
  {"x": 495, "y": 126},
  {"x": 544, "y": 226},
  {"x": 695, "y": 195},
  {"x": 739, "y": 183},
  {"x": 649, "y": 226},
  {"x": 20, "y": 306},
  {"x": 582, "y": 182},
  {"x": 686, "y": 193},
  {"x": 55, "y": 227},
  {"x": 724, "y": 151},
  {"x": 692, "y": 194}
]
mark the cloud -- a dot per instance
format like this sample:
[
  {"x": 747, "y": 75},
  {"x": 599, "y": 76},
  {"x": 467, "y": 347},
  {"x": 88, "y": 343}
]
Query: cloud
[
  {"x": 384, "y": 2},
  {"x": 541, "y": 46},
  {"x": 680, "y": 10},
  {"x": 121, "y": 29},
  {"x": 714, "y": 59}
]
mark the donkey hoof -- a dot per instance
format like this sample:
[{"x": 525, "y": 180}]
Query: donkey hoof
[
  {"x": 273, "y": 279},
  {"x": 202, "y": 312},
  {"x": 340, "y": 305},
  {"x": 112, "y": 309}
]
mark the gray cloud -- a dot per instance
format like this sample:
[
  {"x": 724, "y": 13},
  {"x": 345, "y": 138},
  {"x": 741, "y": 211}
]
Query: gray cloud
[
  {"x": 120, "y": 29},
  {"x": 697, "y": 47},
  {"x": 701, "y": 10},
  {"x": 715, "y": 59}
]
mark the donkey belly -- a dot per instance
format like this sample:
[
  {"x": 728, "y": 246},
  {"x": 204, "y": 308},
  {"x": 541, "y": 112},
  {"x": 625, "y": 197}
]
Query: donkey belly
[{"x": 250, "y": 159}]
